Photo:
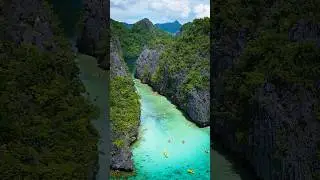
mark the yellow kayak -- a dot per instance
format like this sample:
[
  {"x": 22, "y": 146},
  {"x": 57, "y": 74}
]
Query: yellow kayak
[
  {"x": 165, "y": 154},
  {"x": 190, "y": 171}
]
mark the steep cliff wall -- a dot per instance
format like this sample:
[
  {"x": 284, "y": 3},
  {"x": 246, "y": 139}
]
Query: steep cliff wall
[
  {"x": 265, "y": 102},
  {"x": 40, "y": 95},
  {"x": 29, "y": 22},
  {"x": 125, "y": 110},
  {"x": 180, "y": 71},
  {"x": 93, "y": 29},
  {"x": 118, "y": 66}
]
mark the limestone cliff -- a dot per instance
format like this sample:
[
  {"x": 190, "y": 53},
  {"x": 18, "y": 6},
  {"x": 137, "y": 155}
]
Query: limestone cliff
[
  {"x": 28, "y": 22},
  {"x": 195, "y": 103},
  {"x": 178, "y": 68},
  {"x": 277, "y": 131},
  {"x": 93, "y": 26},
  {"x": 121, "y": 155},
  {"x": 34, "y": 22}
]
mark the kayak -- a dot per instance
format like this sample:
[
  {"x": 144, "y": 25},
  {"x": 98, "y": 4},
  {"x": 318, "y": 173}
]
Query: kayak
[
  {"x": 165, "y": 154},
  {"x": 190, "y": 171}
]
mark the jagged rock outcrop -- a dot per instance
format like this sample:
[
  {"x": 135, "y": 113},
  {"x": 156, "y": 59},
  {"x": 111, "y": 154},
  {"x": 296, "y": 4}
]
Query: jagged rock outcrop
[
  {"x": 118, "y": 66},
  {"x": 147, "y": 63},
  {"x": 28, "y": 22},
  {"x": 121, "y": 158},
  {"x": 195, "y": 103},
  {"x": 283, "y": 133},
  {"x": 93, "y": 24}
]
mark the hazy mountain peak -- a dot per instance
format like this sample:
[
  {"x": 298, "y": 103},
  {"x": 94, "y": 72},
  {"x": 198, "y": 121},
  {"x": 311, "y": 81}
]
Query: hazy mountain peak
[
  {"x": 171, "y": 27},
  {"x": 144, "y": 24},
  {"x": 177, "y": 22}
]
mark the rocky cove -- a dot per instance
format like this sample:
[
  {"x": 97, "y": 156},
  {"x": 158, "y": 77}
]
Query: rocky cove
[
  {"x": 262, "y": 112},
  {"x": 168, "y": 125},
  {"x": 197, "y": 104},
  {"x": 121, "y": 155},
  {"x": 164, "y": 129}
]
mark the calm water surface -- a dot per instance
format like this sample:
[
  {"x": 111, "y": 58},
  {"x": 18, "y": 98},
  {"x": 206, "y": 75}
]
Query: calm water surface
[
  {"x": 169, "y": 145},
  {"x": 96, "y": 83}
]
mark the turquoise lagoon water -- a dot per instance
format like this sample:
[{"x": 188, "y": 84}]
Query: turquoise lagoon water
[
  {"x": 161, "y": 121},
  {"x": 164, "y": 131}
]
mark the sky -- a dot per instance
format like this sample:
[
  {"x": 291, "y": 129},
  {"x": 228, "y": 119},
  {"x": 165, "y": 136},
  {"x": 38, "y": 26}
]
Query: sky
[{"x": 159, "y": 11}]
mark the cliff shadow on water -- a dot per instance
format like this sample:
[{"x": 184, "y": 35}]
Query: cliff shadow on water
[
  {"x": 96, "y": 83},
  {"x": 238, "y": 166}
]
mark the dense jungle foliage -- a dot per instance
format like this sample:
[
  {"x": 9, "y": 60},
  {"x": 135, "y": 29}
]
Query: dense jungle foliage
[
  {"x": 124, "y": 100},
  {"x": 270, "y": 55},
  {"x": 134, "y": 39},
  {"x": 124, "y": 107},
  {"x": 188, "y": 52},
  {"x": 45, "y": 128}
]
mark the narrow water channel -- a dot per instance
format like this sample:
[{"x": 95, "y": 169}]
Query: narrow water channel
[
  {"x": 96, "y": 82},
  {"x": 169, "y": 145}
]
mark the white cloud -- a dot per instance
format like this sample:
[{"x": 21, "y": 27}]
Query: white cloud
[
  {"x": 158, "y": 11},
  {"x": 122, "y": 4},
  {"x": 202, "y": 10},
  {"x": 180, "y": 7}
]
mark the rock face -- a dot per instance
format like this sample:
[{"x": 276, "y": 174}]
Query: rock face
[
  {"x": 147, "y": 63},
  {"x": 27, "y": 22},
  {"x": 118, "y": 66},
  {"x": 196, "y": 103},
  {"x": 283, "y": 130},
  {"x": 94, "y": 23},
  {"x": 120, "y": 157}
]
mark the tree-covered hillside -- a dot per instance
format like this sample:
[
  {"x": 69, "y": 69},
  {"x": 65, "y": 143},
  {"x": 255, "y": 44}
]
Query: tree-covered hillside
[
  {"x": 266, "y": 67},
  {"x": 45, "y": 128},
  {"x": 124, "y": 109},
  {"x": 179, "y": 68},
  {"x": 171, "y": 27},
  {"x": 188, "y": 52},
  {"x": 133, "y": 39}
]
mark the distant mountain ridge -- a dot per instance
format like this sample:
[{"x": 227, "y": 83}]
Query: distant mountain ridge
[
  {"x": 170, "y": 27},
  {"x": 134, "y": 38},
  {"x": 127, "y": 25}
]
